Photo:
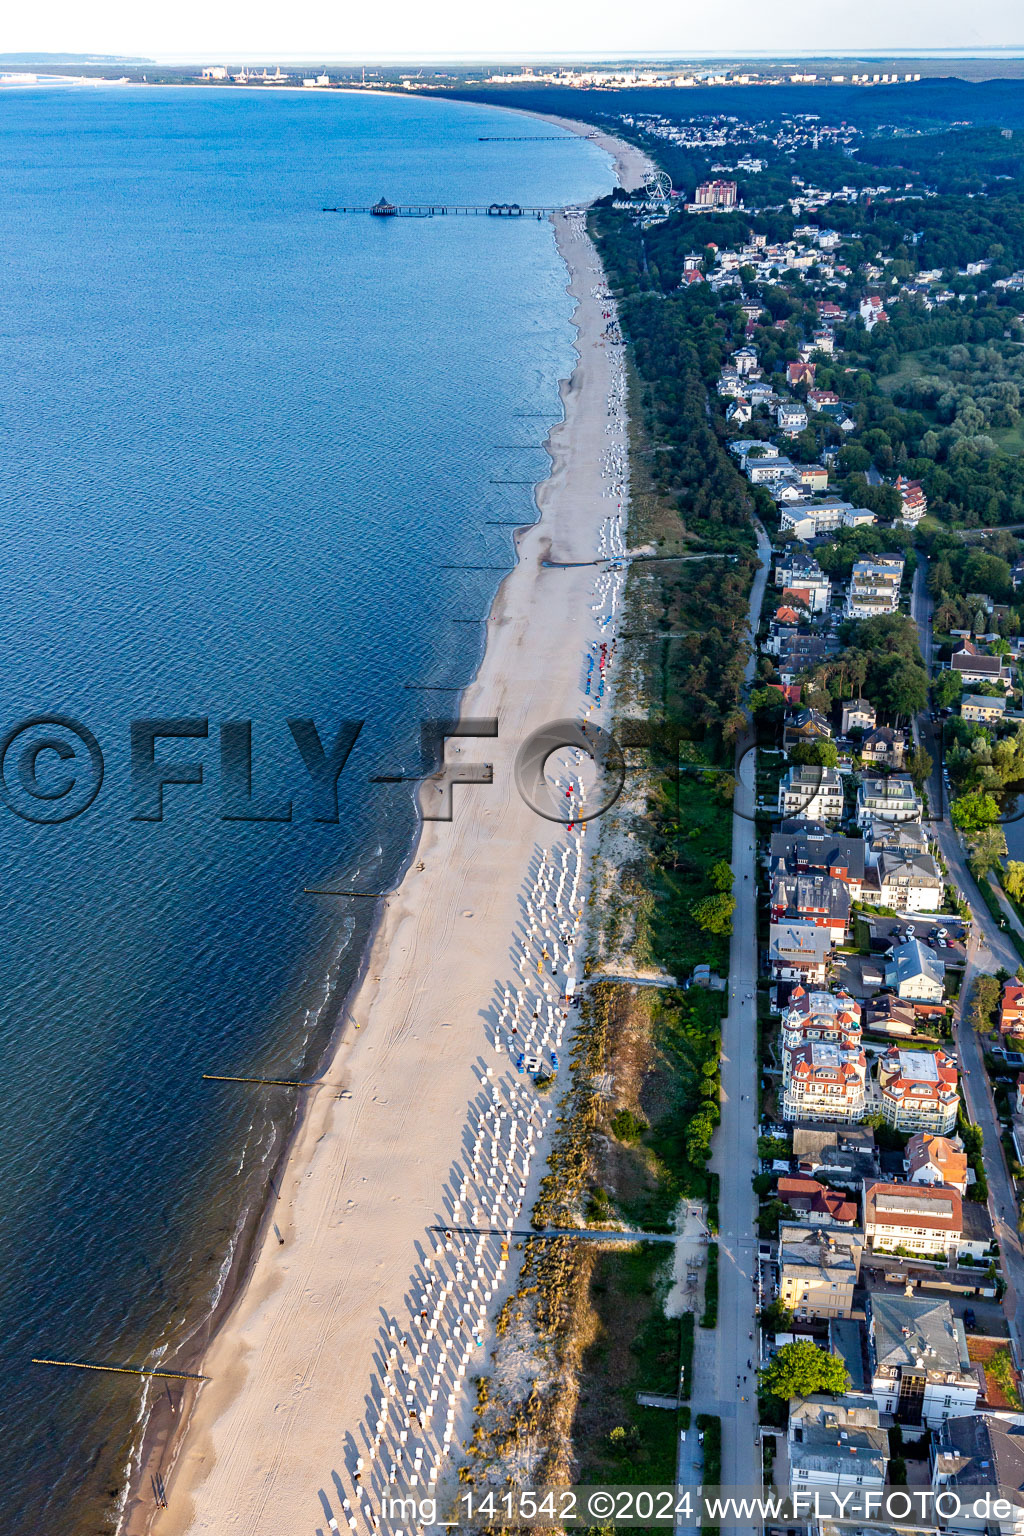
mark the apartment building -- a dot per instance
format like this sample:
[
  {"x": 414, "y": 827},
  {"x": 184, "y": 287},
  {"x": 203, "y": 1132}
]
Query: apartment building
[
  {"x": 917, "y": 1350},
  {"x": 836, "y": 1446},
  {"x": 811, "y": 792},
  {"x": 812, "y": 898},
  {"x": 819, "y": 1268},
  {"x": 809, "y": 848},
  {"x": 917, "y": 975},
  {"x": 919, "y": 1090},
  {"x": 799, "y": 952},
  {"x": 892, "y": 798},
  {"x": 932, "y": 1159},
  {"x": 874, "y": 586},
  {"x": 905, "y": 880},
  {"x": 919, "y": 1219}
]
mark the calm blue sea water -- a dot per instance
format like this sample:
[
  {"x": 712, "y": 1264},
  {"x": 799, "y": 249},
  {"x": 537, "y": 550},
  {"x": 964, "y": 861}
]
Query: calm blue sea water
[{"x": 238, "y": 439}]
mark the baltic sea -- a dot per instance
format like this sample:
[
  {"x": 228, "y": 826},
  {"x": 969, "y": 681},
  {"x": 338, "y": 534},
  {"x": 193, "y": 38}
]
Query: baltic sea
[{"x": 240, "y": 441}]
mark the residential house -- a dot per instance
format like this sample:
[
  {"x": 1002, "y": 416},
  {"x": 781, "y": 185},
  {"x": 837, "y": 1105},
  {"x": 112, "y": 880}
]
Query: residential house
[
  {"x": 760, "y": 469},
  {"x": 817, "y": 399},
  {"x": 910, "y": 835},
  {"x": 972, "y": 665},
  {"x": 802, "y": 652},
  {"x": 799, "y": 951},
  {"x": 884, "y": 747},
  {"x": 888, "y": 799},
  {"x": 828, "y": 311},
  {"x": 917, "y": 1351},
  {"x": 744, "y": 360},
  {"x": 932, "y": 1159},
  {"x": 844, "y": 1155},
  {"x": 847, "y": 1339},
  {"x": 872, "y": 312},
  {"x": 840, "y": 416},
  {"x": 887, "y": 1014},
  {"x": 823, "y": 341},
  {"x": 810, "y": 848},
  {"x": 817, "y": 1205},
  {"x": 982, "y": 710},
  {"x": 819, "y": 1268},
  {"x": 824, "y": 1071},
  {"x": 796, "y": 568},
  {"x": 919, "y": 1219},
  {"x": 813, "y": 899},
  {"x": 760, "y": 394},
  {"x": 805, "y": 725},
  {"x": 810, "y": 477},
  {"x": 874, "y": 586},
  {"x": 837, "y": 1447},
  {"x": 806, "y": 596},
  {"x": 919, "y": 1090},
  {"x": 742, "y": 447},
  {"x": 917, "y": 974},
  {"x": 791, "y": 417},
  {"x": 812, "y": 792},
  {"x": 1011, "y": 1009},
  {"x": 739, "y": 413},
  {"x": 800, "y": 373},
  {"x": 905, "y": 881},
  {"x": 730, "y": 384},
  {"x": 858, "y": 715},
  {"x": 913, "y": 501},
  {"x": 978, "y": 1460}
]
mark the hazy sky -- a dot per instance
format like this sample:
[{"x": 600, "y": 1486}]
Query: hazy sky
[{"x": 474, "y": 28}]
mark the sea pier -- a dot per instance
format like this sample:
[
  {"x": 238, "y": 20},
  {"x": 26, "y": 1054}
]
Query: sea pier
[{"x": 444, "y": 210}]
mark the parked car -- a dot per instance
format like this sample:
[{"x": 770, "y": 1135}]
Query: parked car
[{"x": 970, "y": 1319}]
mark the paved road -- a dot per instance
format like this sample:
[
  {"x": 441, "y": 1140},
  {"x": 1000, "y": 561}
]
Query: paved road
[
  {"x": 989, "y": 949},
  {"x": 723, "y": 1384}
]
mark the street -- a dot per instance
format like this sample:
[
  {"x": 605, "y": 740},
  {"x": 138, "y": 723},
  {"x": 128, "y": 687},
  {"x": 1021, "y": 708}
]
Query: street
[{"x": 989, "y": 949}]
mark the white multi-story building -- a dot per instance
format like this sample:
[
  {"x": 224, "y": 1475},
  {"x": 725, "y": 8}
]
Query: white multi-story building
[
  {"x": 837, "y": 1446},
  {"x": 874, "y": 586},
  {"x": 905, "y": 880},
  {"x": 892, "y": 798},
  {"x": 809, "y": 520},
  {"x": 823, "y": 1066},
  {"x": 799, "y": 951},
  {"x": 920, "y": 1370},
  {"x": 921, "y": 1219},
  {"x": 811, "y": 792},
  {"x": 826, "y": 1082},
  {"x": 919, "y": 1090}
]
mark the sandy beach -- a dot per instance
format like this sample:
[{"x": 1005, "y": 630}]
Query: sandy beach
[{"x": 354, "y": 1313}]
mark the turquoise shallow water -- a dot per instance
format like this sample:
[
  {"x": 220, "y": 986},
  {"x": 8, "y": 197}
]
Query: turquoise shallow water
[{"x": 239, "y": 438}]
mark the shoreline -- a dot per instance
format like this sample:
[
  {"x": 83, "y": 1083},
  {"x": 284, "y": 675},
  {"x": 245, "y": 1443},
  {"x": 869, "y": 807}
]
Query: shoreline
[{"x": 194, "y": 1443}]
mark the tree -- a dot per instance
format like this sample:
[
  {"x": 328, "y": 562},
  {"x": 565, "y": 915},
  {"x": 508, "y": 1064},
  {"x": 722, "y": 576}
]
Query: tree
[
  {"x": 714, "y": 913},
  {"x": 1013, "y": 879},
  {"x": 919, "y": 765},
  {"x": 946, "y": 689},
  {"x": 988, "y": 846},
  {"x": 824, "y": 754},
  {"x": 984, "y": 1000},
  {"x": 775, "y": 1317},
  {"x": 721, "y": 876},
  {"x": 973, "y": 811},
  {"x": 798, "y": 1370}
]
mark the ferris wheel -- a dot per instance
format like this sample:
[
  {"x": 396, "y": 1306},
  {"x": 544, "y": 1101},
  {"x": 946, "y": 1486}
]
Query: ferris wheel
[{"x": 658, "y": 185}]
